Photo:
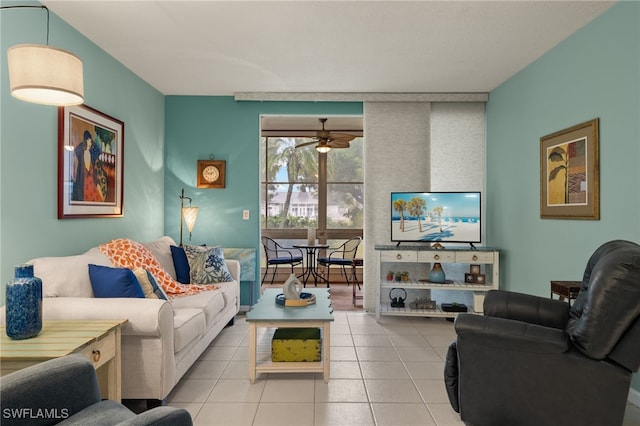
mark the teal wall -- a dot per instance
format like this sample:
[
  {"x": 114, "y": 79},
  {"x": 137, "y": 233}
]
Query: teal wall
[
  {"x": 199, "y": 126},
  {"x": 29, "y": 226},
  {"x": 594, "y": 73}
]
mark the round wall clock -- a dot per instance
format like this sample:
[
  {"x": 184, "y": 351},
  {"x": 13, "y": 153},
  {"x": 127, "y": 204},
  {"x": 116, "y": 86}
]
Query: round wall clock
[{"x": 210, "y": 174}]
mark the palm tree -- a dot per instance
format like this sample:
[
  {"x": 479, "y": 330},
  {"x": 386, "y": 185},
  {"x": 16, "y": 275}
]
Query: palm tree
[
  {"x": 416, "y": 207},
  {"x": 438, "y": 212},
  {"x": 345, "y": 165},
  {"x": 559, "y": 155},
  {"x": 301, "y": 164},
  {"x": 400, "y": 206}
]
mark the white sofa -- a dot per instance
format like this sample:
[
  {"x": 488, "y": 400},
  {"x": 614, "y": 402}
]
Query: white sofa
[{"x": 161, "y": 339}]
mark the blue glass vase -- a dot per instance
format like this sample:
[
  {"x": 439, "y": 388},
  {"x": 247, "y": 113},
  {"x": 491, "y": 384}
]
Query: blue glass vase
[
  {"x": 24, "y": 304},
  {"x": 437, "y": 274}
]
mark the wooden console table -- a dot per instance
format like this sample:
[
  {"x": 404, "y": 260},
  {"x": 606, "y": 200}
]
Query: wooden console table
[{"x": 98, "y": 341}]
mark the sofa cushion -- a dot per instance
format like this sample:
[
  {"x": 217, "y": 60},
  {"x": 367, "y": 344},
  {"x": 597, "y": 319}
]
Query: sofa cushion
[
  {"x": 161, "y": 251},
  {"x": 230, "y": 293},
  {"x": 207, "y": 265},
  {"x": 68, "y": 276},
  {"x": 210, "y": 302},
  {"x": 114, "y": 282},
  {"x": 105, "y": 412},
  {"x": 188, "y": 324},
  {"x": 181, "y": 265}
]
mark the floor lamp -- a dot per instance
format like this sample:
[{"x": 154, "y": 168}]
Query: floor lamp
[{"x": 189, "y": 214}]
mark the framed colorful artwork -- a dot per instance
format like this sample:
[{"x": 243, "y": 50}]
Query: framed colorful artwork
[
  {"x": 90, "y": 163},
  {"x": 570, "y": 173}
]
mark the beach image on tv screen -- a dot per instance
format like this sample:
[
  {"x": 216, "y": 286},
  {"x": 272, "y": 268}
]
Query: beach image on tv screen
[{"x": 435, "y": 216}]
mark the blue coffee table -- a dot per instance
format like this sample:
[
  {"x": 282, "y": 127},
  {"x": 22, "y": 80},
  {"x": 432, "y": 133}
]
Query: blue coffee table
[{"x": 267, "y": 314}]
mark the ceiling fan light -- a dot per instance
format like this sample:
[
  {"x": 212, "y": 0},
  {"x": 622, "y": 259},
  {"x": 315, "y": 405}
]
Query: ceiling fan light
[
  {"x": 323, "y": 149},
  {"x": 45, "y": 75}
]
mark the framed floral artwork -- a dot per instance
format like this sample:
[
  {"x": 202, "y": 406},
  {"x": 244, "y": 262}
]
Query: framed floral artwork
[
  {"x": 90, "y": 163},
  {"x": 570, "y": 173}
]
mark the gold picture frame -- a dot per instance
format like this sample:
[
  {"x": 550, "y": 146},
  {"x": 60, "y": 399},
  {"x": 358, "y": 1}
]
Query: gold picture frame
[{"x": 570, "y": 173}]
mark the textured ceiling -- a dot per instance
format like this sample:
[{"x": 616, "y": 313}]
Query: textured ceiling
[{"x": 225, "y": 47}]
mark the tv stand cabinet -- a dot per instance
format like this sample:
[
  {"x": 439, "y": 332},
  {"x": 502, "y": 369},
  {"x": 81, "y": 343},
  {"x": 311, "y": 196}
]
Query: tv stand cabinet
[{"x": 418, "y": 261}]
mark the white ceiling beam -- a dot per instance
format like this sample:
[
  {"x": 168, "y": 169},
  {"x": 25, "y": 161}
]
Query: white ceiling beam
[{"x": 361, "y": 97}]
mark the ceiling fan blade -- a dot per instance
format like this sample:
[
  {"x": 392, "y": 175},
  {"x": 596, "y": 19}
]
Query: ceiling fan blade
[
  {"x": 339, "y": 144},
  {"x": 341, "y": 137},
  {"x": 306, "y": 144}
]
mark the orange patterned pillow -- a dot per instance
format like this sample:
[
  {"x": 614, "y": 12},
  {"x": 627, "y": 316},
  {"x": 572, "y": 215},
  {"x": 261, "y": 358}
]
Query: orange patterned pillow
[{"x": 126, "y": 253}]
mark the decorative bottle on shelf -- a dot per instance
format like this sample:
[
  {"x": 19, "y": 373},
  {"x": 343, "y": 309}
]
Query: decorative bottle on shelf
[
  {"x": 24, "y": 304},
  {"x": 437, "y": 274}
]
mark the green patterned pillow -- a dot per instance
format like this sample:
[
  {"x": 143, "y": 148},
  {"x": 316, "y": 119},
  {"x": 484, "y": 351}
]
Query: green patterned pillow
[{"x": 207, "y": 265}]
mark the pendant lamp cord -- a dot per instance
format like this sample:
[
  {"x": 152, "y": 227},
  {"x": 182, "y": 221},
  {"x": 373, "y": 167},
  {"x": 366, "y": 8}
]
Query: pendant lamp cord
[{"x": 31, "y": 7}]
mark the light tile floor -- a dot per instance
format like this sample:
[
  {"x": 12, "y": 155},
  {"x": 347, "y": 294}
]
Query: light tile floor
[{"x": 387, "y": 373}]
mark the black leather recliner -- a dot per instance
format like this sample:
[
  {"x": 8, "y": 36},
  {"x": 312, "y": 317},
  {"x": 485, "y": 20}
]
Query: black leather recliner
[{"x": 535, "y": 361}]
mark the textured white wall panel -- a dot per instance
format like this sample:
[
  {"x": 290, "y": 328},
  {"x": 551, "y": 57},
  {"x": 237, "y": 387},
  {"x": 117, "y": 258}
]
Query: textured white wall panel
[
  {"x": 396, "y": 157},
  {"x": 457, "y": 147},
  {"x": 416, "y": 146}
]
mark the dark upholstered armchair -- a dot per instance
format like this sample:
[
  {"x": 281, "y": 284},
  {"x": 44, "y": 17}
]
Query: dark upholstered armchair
[
  {"x": 536, "y": 361},
  {"x": 65, "y": 390}
]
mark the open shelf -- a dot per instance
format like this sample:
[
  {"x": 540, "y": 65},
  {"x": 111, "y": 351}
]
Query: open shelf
[
  {"x": 418, "y": 261},
  {"x": 264, "y": 364},
  {"x": 416, "y": 284},
  {"x": 386, "y": 309}
]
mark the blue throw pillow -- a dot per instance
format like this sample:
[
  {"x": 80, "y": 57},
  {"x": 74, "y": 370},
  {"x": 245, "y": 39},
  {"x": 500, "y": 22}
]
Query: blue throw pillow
[
  {"x": 114, "y": 282},
  {"x": 180, "y": 262}
]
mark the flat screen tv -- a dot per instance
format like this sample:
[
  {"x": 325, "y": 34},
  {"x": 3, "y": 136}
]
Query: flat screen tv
[{"x": 436, "y": 217}]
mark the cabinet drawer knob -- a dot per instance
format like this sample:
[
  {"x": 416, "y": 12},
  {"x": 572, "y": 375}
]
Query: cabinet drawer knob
[
  {"x": 399, "y": 256},
  {"x": 475, "y": 257},
  {"x": 436, "y": 257},
  {"x": 95, "y": 355}
]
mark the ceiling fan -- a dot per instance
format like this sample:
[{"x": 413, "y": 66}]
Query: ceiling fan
[{"x": 326, "y": 140}]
